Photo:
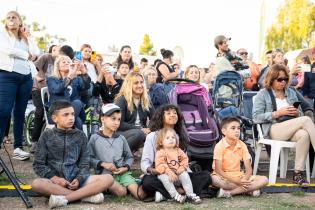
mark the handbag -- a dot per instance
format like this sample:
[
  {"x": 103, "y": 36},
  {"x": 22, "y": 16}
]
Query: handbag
[{"x": 274, "y": 106}]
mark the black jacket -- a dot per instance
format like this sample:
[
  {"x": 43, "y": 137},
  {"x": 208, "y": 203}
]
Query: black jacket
[
  {"x": 128, "y": 119},
  {"x": 108, "y": 93},
  {"x": 64, "y": 154}
]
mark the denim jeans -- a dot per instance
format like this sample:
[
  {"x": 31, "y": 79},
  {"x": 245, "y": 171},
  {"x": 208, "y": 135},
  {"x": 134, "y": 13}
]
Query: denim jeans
[{"x": 15, "y": 90}]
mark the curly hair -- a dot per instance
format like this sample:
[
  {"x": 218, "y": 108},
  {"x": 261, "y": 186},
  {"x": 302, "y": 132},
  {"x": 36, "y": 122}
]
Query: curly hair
[{"x": 157, "y": 123}]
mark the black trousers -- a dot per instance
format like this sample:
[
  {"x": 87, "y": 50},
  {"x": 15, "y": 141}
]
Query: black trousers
[
  {"x": 134, "y": 137},
  {"x": 200, "y": 182},
  {"x": 39, "y": 115}
]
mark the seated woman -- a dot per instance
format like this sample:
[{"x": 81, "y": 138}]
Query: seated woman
[
  {"x": 164, "y": 69},
  {"x": 167, "y": 116},
  {"x": 192, "y": 72},
  {"x": 155, "y": 90},
  {"x": 136, "y": 109},
  {"x": 271, "y": 105},
  {"x": 66, "y": 83},
  {"x": 106, "y": 86}
]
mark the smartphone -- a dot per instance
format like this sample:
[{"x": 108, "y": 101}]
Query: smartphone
[
  {"x": 78, "y": 55},
  {"x": 93, "y": 56},
  {"x": 305, "y": 67},
  {"x": 296, "y": 104}
]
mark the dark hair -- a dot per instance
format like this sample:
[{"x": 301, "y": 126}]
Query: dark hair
[
  {"x": 67, "y": 50},
  {"x": 229, "y": 120},
  {"x": 51, "y": 48},
  {"x": 157, "y": 123},
  {"x": 58, "y": 105},
  {"x": 121, "y": 63},
  {"x": 166, "y": 53},
  {"x": 144, "y": 60},
  {"x": 119, "y": 59},
  {"x": 156, "y": 61},
  {"x": 268, "y": 52},
  {"x": 306, "y": 60}
]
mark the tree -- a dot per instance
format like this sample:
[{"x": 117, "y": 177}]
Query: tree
[
  {"x": 294, "y": 27},
  {"x": 146, "y": 48},
  {"x": 42, "y": 38}
]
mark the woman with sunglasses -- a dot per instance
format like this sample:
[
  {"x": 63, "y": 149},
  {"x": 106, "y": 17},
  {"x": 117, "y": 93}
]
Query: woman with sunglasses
[{"x": 275, "y": 102}]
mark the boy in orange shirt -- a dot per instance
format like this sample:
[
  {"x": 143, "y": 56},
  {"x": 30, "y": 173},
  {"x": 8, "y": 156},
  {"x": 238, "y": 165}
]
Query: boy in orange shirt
[{"x": 228, "y": 153}]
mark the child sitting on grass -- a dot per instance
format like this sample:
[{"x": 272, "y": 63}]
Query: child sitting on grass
[
  {"x": 110, "y": 154},
  {"x": 63, "y": 164},
  {"x": 228, "y": 154},
  {"x": 172, "y": 164}
]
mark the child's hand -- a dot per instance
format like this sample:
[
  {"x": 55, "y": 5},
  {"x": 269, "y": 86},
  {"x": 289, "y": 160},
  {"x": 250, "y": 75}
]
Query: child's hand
[
  {"x": 172, "y": 176},
  {"x": 74, "y": 184},
  {"x": 60, "y": 181},
  {"x": 109, "y": 166},
  {"x": 121, "y": 170}
]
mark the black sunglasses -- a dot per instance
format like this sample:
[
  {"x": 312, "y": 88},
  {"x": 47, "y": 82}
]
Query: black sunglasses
[
  {"x": 280, "y": 79},
  {"x": 243, "y": 53}
]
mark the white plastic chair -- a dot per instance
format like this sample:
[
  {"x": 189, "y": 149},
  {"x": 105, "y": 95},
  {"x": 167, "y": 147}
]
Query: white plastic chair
[
  {"x": 279, "y": 149},
  {"x": 43, "y": 93}
]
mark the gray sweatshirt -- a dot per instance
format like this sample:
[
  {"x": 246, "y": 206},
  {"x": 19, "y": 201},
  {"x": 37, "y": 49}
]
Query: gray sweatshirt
[{"x": 110, "y": 150}]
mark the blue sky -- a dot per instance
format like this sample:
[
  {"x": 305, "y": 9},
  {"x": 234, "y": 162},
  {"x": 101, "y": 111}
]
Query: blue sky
[{"x": 189, "y": 24}]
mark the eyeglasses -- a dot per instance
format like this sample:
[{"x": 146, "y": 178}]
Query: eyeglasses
[
  {"x": 243, "y": 53},
  {"x": 280, "y": 79}
]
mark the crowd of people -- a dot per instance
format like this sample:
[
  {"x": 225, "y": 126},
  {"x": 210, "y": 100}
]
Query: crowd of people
[{"x": 134, "y": 113}]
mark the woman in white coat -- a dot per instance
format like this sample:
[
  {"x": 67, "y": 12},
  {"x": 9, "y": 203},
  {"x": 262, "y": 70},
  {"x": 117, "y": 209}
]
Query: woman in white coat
[{"x": 17, "y": 50}]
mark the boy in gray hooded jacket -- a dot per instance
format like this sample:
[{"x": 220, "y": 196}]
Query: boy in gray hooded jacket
[{"x": 110, "y": 154}]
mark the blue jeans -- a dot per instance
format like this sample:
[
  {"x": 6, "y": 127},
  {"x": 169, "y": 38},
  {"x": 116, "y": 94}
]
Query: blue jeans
[{"x": 15, "y": 90}]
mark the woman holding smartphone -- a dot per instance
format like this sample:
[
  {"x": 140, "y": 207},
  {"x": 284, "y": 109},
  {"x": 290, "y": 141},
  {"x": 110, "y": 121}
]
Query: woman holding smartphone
[
  {"x": 17, "y": 51},
  {"x": 276, "y": 108},
  {"x": 67, "y": 81}
]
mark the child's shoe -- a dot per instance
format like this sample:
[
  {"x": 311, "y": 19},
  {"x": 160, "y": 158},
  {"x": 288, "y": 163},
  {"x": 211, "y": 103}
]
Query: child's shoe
[
  {"x": 159, "y": 197},
  {"x": 223, "y": 194},
  {"x": 98, "y": 198},
  {"x": 57, "y": 201},
  {"x": 193, "y": 198},
  {"x": 255, "y": 193},
  {"x": 180, "y": 198}
]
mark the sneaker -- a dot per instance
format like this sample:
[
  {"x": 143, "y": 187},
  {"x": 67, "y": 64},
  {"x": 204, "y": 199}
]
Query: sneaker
[
  {"x": 33, "y": 148},
  {"x": 19, "y": 154},
  {"x": 159, "y": 197},
  {"x": 193, "y": 198},
  {"x": 223, "y": 194},
  {"x": 98, "y": 198},
  {"x": 180, "y": 198},
  {"x": 57, "y": 201},
  {"x": 298, "y": 178},
  {"x": 255, "y": 193}
]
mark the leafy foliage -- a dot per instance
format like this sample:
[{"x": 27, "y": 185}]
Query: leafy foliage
[
  {"x": 294, "y": 27},
  {"x": 146, "y": 48}
]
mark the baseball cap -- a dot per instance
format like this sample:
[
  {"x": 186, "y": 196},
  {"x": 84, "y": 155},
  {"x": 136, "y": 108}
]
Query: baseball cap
[
  {"x": 109, "y": 109},
  {"x": 220, "y": 39}
]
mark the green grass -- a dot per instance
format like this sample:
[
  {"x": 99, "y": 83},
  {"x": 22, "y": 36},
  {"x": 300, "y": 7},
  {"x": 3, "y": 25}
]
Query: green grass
[
  {"x": 298, "y": 193},
  {"x": 124, "y": 199}
]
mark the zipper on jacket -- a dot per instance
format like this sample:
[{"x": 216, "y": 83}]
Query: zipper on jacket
[{"x": 64, "y": 152}]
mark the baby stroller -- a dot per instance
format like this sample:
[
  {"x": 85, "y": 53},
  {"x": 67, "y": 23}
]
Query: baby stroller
[
  {"x": 194, "y": 102},
  {"x": 228, "y": 102}
]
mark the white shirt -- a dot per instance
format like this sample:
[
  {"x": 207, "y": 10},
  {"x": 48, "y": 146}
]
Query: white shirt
[{"x": 282, "y": 103}]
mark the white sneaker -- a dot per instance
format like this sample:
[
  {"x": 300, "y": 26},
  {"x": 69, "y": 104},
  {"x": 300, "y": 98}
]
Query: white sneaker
[
  {"x": 223, "y": 194},
  {"x": 19, "y": 154},
  {"x": 180, "y": 198},
  {"x": 98, "y": 198},
  {"x": 158, "y": 197},
  {"x": 255, "y": 193},
  {"x": 57, "y": 201}
]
